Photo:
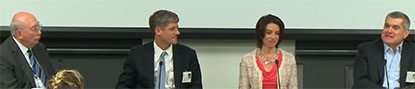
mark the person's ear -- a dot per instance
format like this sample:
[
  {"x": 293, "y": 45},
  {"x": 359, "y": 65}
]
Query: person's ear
[
  {"x": 18, "y": 34},
  {"x": 406, "y": 33},
  {"x": 157, "y": 30}
]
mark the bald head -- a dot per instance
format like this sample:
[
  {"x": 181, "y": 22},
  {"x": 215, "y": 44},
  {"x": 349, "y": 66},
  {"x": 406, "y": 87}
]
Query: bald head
[
  {"x": 23, "y": 16},
  {"x": 22, "y": 20}
]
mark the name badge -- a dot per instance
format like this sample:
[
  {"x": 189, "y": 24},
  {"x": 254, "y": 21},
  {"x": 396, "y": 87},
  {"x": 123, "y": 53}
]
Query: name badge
[
  {"x": 410, "y": 77},
  {"x": 187, "y": 77}
]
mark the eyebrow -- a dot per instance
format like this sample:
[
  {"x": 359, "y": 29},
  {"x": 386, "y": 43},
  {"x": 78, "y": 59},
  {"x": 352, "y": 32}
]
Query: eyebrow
[
  {"x": 173, "y": 28},
  {"x": 396, "y": 26},
  {"x": 270, "y": 30}
]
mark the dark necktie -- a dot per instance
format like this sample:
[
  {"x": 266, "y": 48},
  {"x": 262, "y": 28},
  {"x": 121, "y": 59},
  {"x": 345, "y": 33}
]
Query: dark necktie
[{"x": 36, "y": 69}]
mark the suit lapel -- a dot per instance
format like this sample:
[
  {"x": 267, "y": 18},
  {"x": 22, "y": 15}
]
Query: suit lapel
[
  {"x": 405, "y": 59},
  {"x": 21, "y": 62},
  {"x": 177, "y": 65},
  {"x": 380, "y": 60},
  {"x": 149, "y": 61}
]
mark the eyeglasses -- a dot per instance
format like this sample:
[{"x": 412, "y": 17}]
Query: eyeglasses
[{"x": 36, "y": 28}]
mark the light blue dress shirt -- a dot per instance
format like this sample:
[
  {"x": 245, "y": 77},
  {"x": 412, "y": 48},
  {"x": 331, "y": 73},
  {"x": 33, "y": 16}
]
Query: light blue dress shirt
[{"x": 393, "y": 61}]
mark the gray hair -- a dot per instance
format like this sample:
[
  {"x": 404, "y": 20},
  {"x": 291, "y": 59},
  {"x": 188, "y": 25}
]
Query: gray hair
[
  {"x": 14, "y": 26},
  {"x": 397, "y": 14},
  {"x": 161, "y": 18}
]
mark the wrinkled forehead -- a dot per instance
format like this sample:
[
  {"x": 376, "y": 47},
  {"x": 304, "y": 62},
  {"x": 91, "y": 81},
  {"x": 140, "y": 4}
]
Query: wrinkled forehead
[
  {"x": 26, "y": 20},
  {"x": 394, "y": 21}
]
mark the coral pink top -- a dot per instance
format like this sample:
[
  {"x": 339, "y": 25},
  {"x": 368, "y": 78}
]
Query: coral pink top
[{"x": 270, "y": 80}]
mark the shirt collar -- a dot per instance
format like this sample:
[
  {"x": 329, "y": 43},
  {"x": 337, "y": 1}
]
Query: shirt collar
[
  {"x": 21, "y": 47},
  {"x": 158, "y": 50},
  {"x": 387, "y": 48}
]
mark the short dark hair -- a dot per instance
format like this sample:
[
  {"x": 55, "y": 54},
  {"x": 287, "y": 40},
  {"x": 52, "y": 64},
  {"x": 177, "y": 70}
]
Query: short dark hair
[
  {"x": 161, "y": 18},
  {"x": 397, "y": 14},
  {"x": 261, "y": 26}
]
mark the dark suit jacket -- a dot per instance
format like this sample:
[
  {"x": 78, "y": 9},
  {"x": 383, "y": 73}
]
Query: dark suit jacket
[
  {"x": 139, "y": 67},
  {"x": 15, "y": 72},
  {"x": 369, "y": 64}
]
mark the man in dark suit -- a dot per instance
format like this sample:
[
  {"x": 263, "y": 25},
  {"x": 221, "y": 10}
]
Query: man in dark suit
[
  {"x": 163, "y": 63},
  {"x": 384, "y": 63},
  {"x": 17, "y": 69}
]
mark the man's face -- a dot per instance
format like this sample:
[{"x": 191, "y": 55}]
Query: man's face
[
  {"x": 169, "y": 33},
  {"x": 394, "y": 32},
  {"x": 30, "y": 33}
]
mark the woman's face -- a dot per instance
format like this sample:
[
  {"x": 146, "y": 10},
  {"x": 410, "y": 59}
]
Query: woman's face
[{"x": 272, "y": 35}]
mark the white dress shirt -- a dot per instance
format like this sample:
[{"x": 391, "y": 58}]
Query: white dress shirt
[
  {"x": 393, "y": 61},
  {"x": 168, "y": 63},
  {"x": 23, "y": 49}
]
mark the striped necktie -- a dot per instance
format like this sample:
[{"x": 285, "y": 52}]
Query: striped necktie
[
  {"x": 162, "y": 78},
  {"x": 36, "y": 68}
]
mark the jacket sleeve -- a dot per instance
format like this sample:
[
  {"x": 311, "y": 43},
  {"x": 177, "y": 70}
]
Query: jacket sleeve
[
  {"x": 11, "y": 73},
  {"x": 195, "y": 68},
  {"x": 243, "y": 75},
  {"x": 7, "y": 75},
  {"x": 293, "y": 81},
  {"x": 361, "y": 71},
  {"x": 128, "y": 76}
]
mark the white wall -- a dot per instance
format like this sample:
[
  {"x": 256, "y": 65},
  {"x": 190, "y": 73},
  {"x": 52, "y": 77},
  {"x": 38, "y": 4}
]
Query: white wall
[
  {"x": 336, "y": 14},
  {"x": 219, "y": 59}
]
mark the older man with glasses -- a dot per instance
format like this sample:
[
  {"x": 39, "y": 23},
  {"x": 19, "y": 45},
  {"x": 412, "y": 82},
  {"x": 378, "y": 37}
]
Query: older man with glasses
[{"x": 24, "y": 62}]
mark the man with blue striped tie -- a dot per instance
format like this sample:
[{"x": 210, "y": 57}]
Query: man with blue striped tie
[
  {"x": 24, "y": 61},
  {"x": 162, "y": 63}
]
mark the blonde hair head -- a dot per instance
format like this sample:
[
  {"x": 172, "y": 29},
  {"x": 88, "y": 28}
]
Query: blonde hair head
[{"x": 66, "y": 79}]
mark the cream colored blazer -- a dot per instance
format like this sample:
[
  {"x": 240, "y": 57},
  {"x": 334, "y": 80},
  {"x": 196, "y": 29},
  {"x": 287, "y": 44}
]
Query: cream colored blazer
[{"x": 250, "y": 76}]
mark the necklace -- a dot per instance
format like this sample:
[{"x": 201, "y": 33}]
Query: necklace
[{"x": 267, "y": 61}]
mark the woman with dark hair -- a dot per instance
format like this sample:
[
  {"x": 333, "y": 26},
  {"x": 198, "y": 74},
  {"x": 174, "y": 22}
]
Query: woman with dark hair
[{"x": 268, "y": 66}]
